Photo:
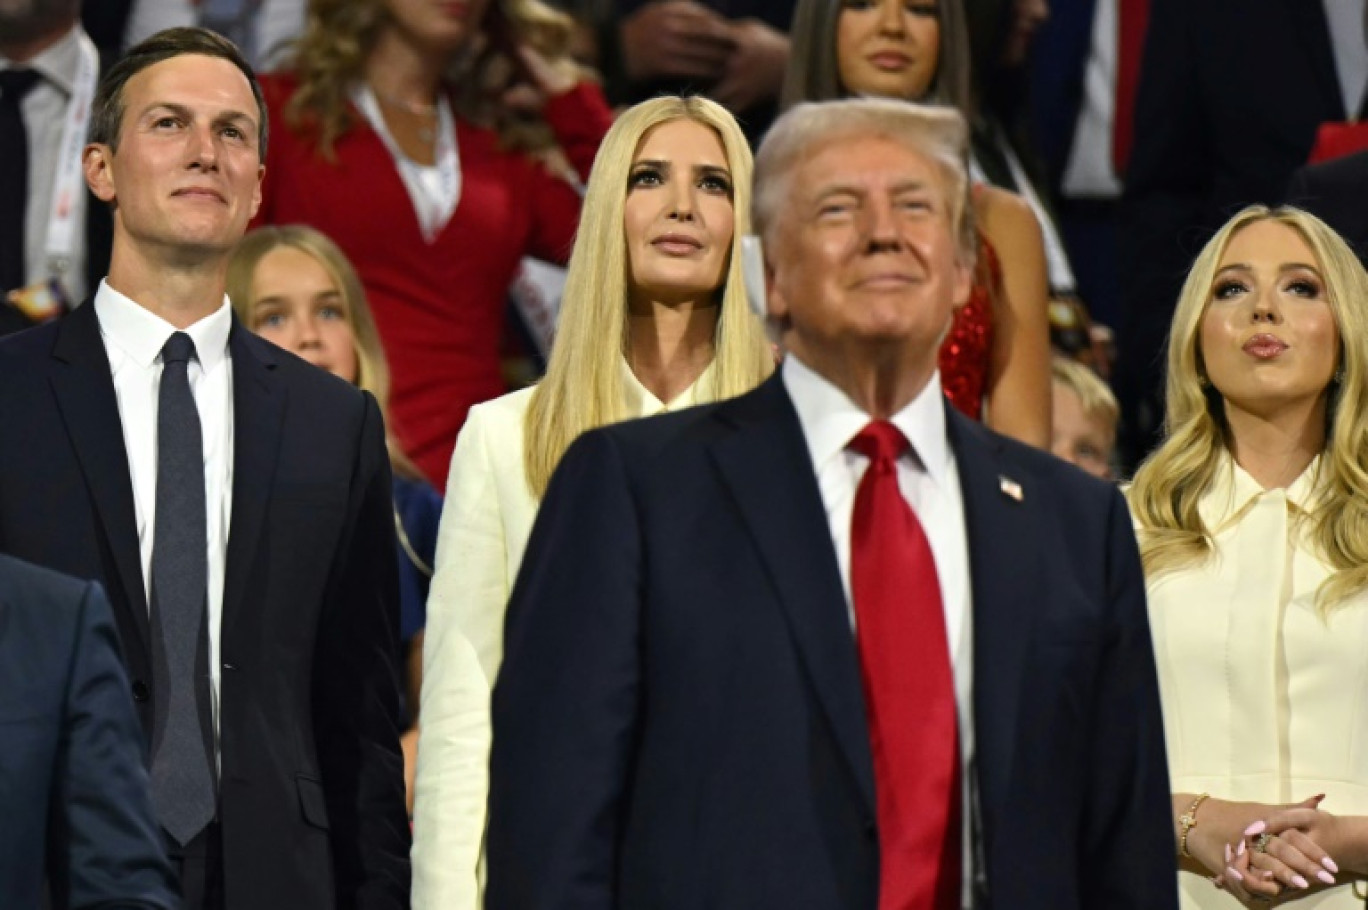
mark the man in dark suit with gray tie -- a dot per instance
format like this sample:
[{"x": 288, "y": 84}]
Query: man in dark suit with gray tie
[
  {"x": 830, "y": 644},
  {"x": 233, "y": 500},
  {"x": 75, "y": 818}
]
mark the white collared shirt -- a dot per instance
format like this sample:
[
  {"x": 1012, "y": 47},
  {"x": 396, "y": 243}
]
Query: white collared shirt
[
  {"x": 133, "y": 338},
  {"x": 929, "y": 481}
]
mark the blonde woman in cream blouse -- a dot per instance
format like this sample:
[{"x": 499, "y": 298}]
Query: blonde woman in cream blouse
[
  {"x": 1253, "y": 525},
  {"x": 653, "y": 318}
]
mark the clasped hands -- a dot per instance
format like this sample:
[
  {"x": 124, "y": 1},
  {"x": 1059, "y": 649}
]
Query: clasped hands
[{"x": 1259, "y": 852}]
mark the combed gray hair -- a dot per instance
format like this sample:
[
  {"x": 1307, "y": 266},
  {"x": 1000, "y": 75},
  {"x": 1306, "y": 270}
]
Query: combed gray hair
[{"x": 939, "y": 133}]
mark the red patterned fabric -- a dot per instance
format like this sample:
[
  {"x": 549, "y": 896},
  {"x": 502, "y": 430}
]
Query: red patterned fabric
[
  {"x": 967, "y": 350},
  {"x": 909, "y": 686}
]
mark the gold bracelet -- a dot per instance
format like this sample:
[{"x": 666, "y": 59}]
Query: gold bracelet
[{"x": 1186, "y": 822}]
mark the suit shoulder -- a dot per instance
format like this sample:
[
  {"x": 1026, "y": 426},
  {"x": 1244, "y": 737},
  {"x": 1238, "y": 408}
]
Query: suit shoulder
[
  {"x": 29, "y": 345},
  {"x": 668, "y": 430},
  {"x": 504, "y": 411},
  {"x": 44, "y": 607},
  {"x": 303, "y": 377},
  {"x": 1052, "y": 473},
  {"x": 23, "y": 581}
]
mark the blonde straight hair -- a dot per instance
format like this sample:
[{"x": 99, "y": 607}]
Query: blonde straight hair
[
  {"x": 372, "y": 370},
  {"x": 583, "y": 386},
  {"x": 1170, "y": 484}
]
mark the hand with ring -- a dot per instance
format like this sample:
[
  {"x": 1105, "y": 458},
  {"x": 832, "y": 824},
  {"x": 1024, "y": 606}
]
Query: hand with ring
[{"x": 1292, "y": 846}]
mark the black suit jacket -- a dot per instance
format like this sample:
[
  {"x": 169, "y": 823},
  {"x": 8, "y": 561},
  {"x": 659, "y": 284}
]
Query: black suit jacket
[
  {"x": 311, "y": 788},
  {"x": 1337, "y": 193},
  {"x": 1218, "y": 125},
  {"x": 679, "y": 720},
  {"x": 74, "y": 806}
]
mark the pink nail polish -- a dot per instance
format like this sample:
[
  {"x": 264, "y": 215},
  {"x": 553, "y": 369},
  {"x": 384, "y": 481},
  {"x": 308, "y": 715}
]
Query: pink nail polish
[
  {"x": 1240, "y": 852},
  {"x": 1230, "y": 871},
  {"x": 1254, "y": 829},
  {"x": 1227, "y": 852},
  {"x": 1300, "y": 882},
  {"x": 1329, "y": 864},
  {"x": 1325, "y": 877}
]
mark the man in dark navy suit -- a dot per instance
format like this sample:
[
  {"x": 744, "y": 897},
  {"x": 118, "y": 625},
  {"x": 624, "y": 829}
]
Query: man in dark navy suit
[
  {"x": 233, "y": 501},
  {"x": 829, "y": 644},
  {"x": 74, "y": 809}
]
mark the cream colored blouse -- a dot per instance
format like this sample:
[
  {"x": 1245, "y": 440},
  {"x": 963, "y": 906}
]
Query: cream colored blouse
[
  {"x": 486, "y": 519},
  {"x": 1264, "y": 699}
]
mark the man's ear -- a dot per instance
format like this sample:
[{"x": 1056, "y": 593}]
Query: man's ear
[
  {"x": 256, "y": 193},
  {"x": 99, "y": 176},
  {"x": 777, "y": 302}
]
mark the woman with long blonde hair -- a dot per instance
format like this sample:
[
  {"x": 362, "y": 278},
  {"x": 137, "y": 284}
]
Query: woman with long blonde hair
[
  {"x": 654, "y": 318},
  {"x": 1252, "y": 518},
  {"x": 419, "y": 136}
]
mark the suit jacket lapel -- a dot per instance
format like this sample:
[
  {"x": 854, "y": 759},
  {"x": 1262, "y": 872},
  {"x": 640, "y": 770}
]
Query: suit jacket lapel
[
  {"x": 766, "y": 466},
  {"x": 84, "y": 388},
  {"x": 1002, "y": 531},
  {"x": 258, "y": 407}
]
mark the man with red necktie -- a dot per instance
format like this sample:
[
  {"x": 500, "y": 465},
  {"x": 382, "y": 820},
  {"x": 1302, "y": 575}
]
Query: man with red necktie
[{"x": 828, "y": 644}]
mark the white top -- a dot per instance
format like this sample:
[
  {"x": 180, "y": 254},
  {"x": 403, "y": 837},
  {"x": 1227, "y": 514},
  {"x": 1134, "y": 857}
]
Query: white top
[
  {"x": 1348, "y": 22},
  {"x": 929, "y": 481},
  {"x": 44, "y": 111},
  {"x": 1089, "y": 173},
  {"x": 1264, "y": 699},
  {"x": 433, "y": 189},
  {"x": 486, "y": 519},
  {"x": 133, "y": 338}
]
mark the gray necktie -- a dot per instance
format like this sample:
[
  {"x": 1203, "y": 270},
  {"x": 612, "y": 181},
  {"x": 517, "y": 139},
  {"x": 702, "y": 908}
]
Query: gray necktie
[{"x": 182, "y": 772}]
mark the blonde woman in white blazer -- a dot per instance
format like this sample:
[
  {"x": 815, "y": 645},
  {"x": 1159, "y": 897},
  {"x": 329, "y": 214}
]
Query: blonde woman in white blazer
[
  {"x": 1252, "y": 519},
  {"x": 653, "y": 318}
]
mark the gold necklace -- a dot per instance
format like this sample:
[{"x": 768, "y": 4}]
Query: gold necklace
[{"x": 427, "y": 131}]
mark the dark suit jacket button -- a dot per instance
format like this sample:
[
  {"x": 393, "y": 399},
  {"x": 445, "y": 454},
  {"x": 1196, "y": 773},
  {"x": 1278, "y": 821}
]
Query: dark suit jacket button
[{"x": 140, "y": 690}]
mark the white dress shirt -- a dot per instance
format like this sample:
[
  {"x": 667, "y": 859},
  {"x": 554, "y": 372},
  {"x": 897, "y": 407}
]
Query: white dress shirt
[
  {"x": 133, "y": 338},
  {"x": 1089, "y": 173},
  {"x": 929, "y": 481},
  {"x": 1349, "y": 43},
  {"x": 44, "y": 111}
]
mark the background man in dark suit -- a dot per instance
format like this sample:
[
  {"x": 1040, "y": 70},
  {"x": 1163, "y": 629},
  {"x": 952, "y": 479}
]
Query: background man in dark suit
[
  {"x": 53, "y": 235},
  {"x": 1337, "y": 193},
  {"x": 74, "y": 811},
  {"x": 684, "y": 717},
  {"x": 1216, "y": 128},
  {"x": 233, "y": 500}
]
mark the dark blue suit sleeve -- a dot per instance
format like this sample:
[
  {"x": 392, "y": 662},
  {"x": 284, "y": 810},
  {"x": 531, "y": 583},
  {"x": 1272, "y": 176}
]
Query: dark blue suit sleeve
[
  {"x": 566, "y": 704},
  {"x": 356, "y": 692},
  {"x": 109, "y": 851},
  {"x": 1128, "y": 861}
]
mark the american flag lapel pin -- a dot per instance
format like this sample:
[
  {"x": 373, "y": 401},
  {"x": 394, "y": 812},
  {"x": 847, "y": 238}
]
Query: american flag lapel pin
[{"x": 1010, "y": 487}]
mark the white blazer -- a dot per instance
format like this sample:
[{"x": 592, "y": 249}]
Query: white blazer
[{"x": 486, "y": 520}]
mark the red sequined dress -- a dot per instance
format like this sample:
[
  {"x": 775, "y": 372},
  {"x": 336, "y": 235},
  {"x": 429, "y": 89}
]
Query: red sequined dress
[{"x": 967, "y": 350}]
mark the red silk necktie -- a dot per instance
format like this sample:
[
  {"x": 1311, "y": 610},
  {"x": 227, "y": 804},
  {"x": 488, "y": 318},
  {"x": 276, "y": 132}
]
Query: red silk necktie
[
  {"x": 1132, "y": 22},
  {"x": 909, "y": 686}
]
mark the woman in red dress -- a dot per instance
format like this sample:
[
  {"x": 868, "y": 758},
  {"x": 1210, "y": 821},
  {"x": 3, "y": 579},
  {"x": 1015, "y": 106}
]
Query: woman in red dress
[
  {"x": 394, "y": 132},
  {"x": 995, "y": 363}
]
